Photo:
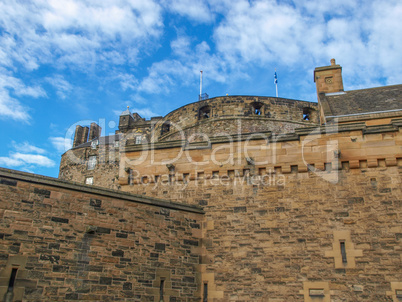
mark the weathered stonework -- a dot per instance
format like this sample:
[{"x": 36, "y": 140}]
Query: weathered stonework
[
  {"x": 300, "y": 203},
  {"x": 73, "y": 242}
]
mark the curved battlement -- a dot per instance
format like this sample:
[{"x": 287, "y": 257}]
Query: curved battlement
[{"x": 222, "y": 114}]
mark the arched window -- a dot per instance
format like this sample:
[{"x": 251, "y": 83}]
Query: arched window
[
  {"x": 257, "y": 108},
  {"x": 165, "y": 128},
  {"x": 204, "y": 112}
]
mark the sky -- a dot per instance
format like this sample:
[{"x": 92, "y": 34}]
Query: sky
[{"x": 69, "y": 62}]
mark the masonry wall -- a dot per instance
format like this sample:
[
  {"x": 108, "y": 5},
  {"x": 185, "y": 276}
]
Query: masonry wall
[
  {"x": 236, "y": 106},
  {"x": 74, "y": 166},
  {"x": 76, "y": 243},
  {"x": 230, "y": 126},
  {"x": 275, "y": 230}
]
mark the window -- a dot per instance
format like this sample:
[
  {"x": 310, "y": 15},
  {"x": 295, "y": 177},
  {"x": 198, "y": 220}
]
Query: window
[
  {"x": 91, "y": 162},
  {"x": 165, "y": 128},
  {"x": 94, "y": 144},
  {"x": 138, "y": 140},
  {"x": 343, "y": 251},
  {"x": 89, "y": 180},
  {"x": 161, "y": 286},
  {"x": 307, "y": 113},
  {"x": 316, "y": 292},
  {"x": 186, "y": 177},
  {"x": 205, "y": 298},
  {"x": 9, "y": 294},
  {"x": 204, "y": 112},
  {"x": 116, "y": 144},
  {"x": 257, "y": 108}
]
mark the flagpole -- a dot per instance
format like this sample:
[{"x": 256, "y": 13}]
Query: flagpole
[
  {"x": 276, "y": 83},
  {"x": 200, "y": 84}
]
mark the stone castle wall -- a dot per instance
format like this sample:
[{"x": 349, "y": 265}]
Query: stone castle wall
[
  {"x": 232, "y": 107},
  {"x": 74, "y": 165},
  {"x": 279, "y": 214},
  {"x": 71, "y": 242},
  {"x": 229, "y": 126}
]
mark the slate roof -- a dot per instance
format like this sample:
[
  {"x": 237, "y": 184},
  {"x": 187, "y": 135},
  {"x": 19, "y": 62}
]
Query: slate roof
[{"x": 379, "y": 99}]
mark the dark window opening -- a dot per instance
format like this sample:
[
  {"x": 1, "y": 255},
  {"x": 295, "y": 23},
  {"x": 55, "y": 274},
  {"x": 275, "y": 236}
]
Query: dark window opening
[
  {"x": 307, "y": 114},
  {"x": 9, "y": 293},
  {"x": 205, "y": 299},
  {"x": 12, "y": 279},
  {"x": 204, "y": 112},
  {"x": 343, "y": 252},
  {"x": 257, "y": 108},
  {"x": 161, "y": 290},
  {"x": 165, "y": 128}
]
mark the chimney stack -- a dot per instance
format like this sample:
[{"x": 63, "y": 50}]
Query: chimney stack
[
  {"x": 94, "y": 131},
  {"x": 328, "y": 79},
  {"x": 80, "y": 136}
]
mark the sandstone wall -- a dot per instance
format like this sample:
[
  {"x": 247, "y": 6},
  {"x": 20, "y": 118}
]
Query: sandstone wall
[
  {"x": 229, "y": 126},
  {"x": 235, "y": 106},
  {"x": 275, "y": 230},
  {"x": 73, "y": 243},
  {"x": 74, "y": 166}
]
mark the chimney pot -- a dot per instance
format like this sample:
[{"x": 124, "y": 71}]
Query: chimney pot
[{"x": 332, "y": 61}]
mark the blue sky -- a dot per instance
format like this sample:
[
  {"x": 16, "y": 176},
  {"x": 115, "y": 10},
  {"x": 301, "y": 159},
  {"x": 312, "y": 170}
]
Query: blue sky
[{"x": 68, "y": 62}]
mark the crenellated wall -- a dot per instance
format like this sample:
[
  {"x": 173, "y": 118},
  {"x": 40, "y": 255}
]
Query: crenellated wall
[
  {"x": 254, "y": 109},
  {"x": 309, "y": 216}
]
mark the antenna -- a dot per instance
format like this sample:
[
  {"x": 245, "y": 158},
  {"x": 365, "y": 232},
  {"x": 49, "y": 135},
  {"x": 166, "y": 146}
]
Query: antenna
[{"x": 200, "y": 84}]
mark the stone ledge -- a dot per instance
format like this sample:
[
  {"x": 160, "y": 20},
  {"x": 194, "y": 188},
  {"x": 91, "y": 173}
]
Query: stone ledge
[
  {"x": 325, "y": 129},
  {"x": 63, "y": 184}
]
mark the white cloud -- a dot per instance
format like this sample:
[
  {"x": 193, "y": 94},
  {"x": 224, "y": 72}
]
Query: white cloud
[
  {"x": 71, "y": 31},
  {"x": 300, "y": 34},
  {"x": 74, "y": 34},
  {"x": 197, "y": 10},
  {"x": 62, "y": 86},
  {"x": 22, "y": 160},
  {"x": 61, "y": 144},
  {"x": 26, "y": 157},
  {"x": 26, "y": 147},
  {"x": 10, "y": 107},
  {"x": 33, "y": 159}
]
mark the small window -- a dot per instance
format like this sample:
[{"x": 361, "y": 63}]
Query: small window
[
  {"x": 89, "y": 181},
  {"x": 91, "y": 162},
  {"x": 161, "y": 288},
  {"x": 138, "y": 140},
  {"x": 116, "y": 144},
  {"x": 343, "y": 251},
  {"x": 257, "y": 108},
  {"x": 307, "y": 114},
  {"x": 165, "y": 128},
  {"x": 316, "y": 292},
  {"x": 204, "y": 112},
  {"x": 205, "y": 298},
  {"x": 94, "y": 144}
]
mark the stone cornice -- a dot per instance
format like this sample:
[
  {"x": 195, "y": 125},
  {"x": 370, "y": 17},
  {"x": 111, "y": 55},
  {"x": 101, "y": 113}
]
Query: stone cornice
[{"x": 325, "y": 129}]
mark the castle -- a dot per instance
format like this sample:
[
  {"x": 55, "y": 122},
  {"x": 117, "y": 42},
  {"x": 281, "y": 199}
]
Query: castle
[{"x": 232, "y": 198}]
